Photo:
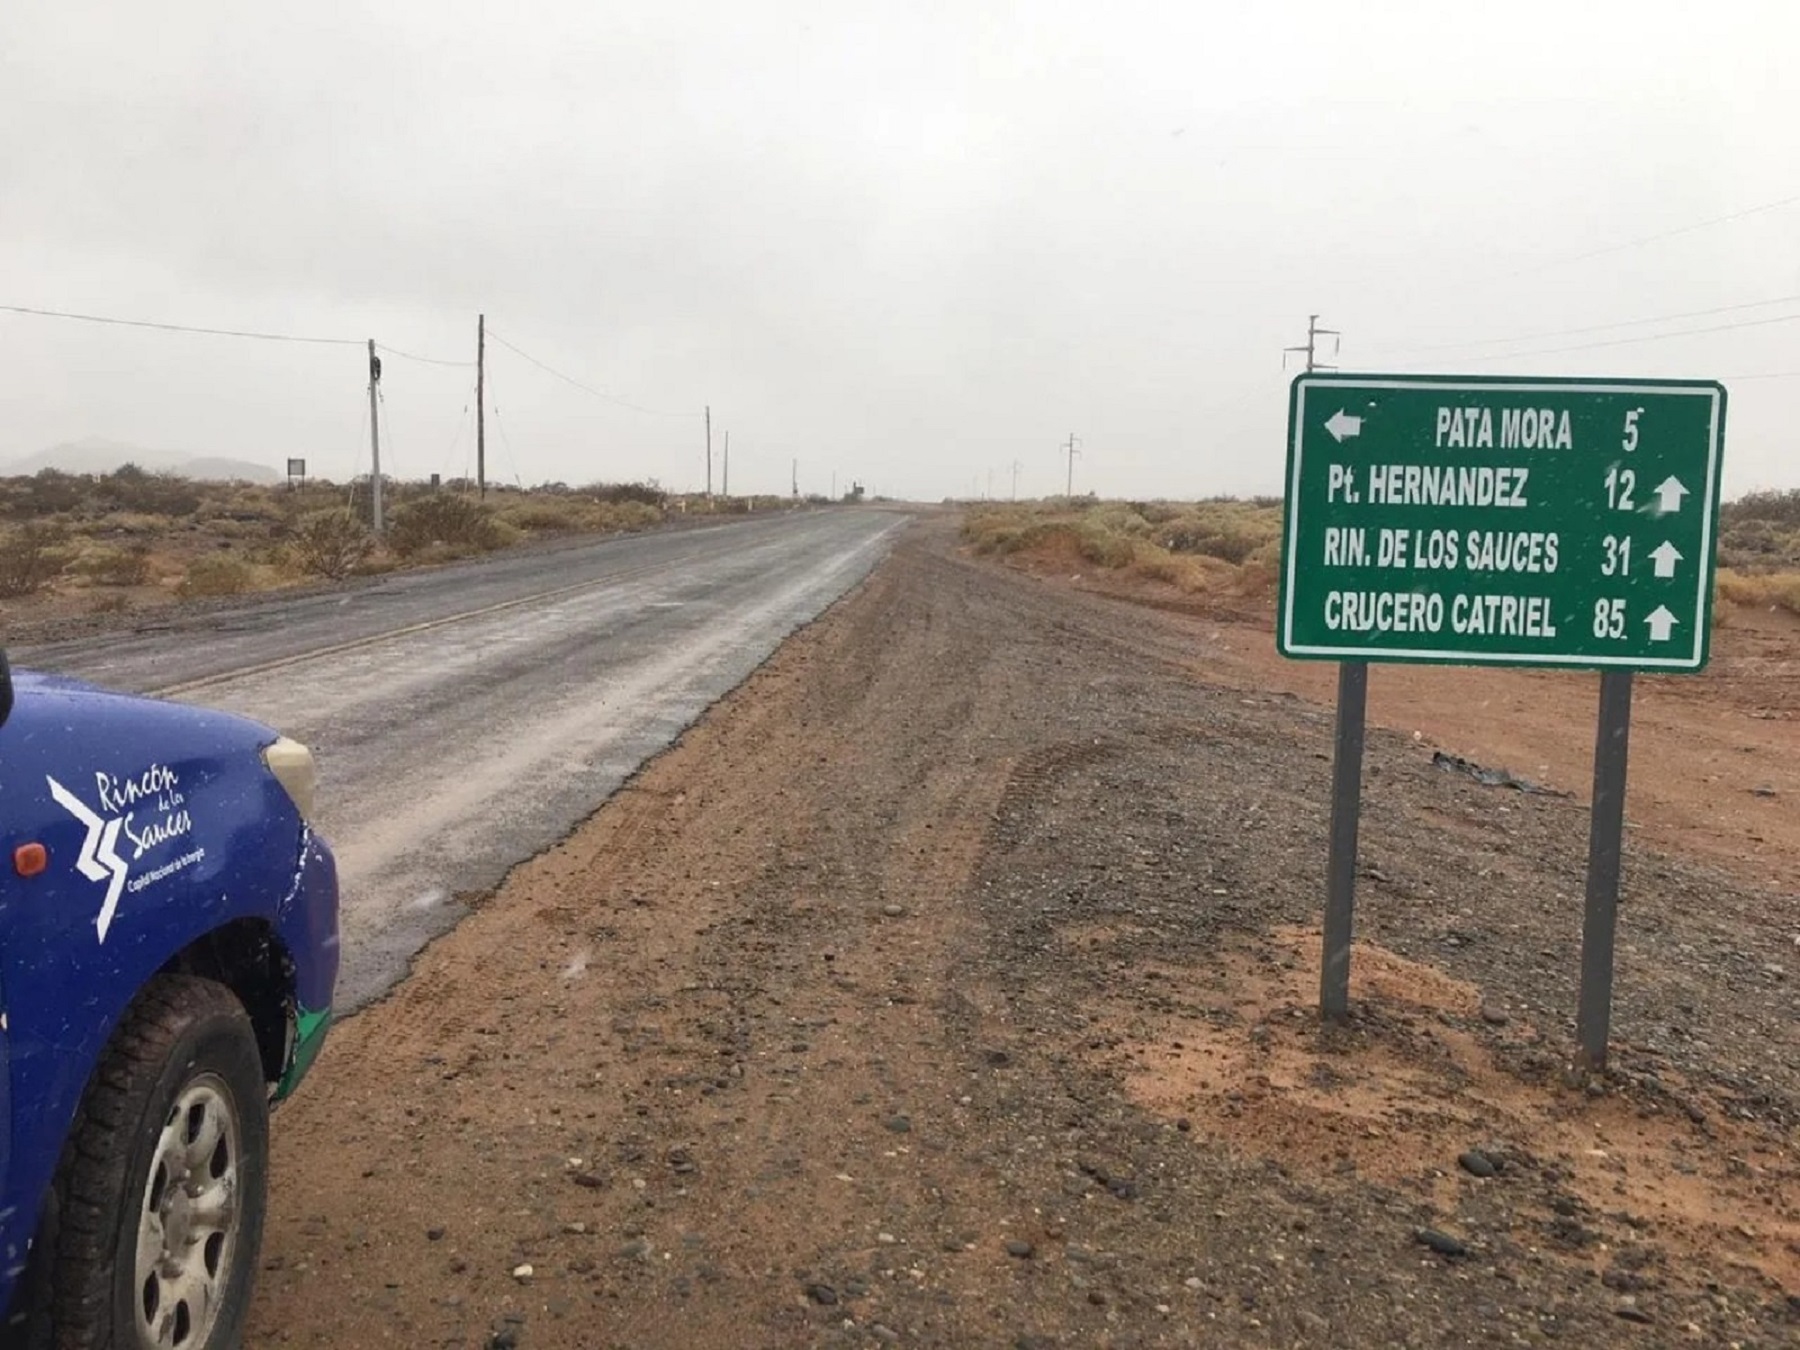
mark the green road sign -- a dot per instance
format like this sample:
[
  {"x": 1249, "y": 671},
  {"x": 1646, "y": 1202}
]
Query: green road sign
[{"x": 1500, "y": 521}]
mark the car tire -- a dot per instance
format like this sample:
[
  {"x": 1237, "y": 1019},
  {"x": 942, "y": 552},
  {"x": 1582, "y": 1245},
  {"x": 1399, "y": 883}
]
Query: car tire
[{"x": 152, "y": 1232}]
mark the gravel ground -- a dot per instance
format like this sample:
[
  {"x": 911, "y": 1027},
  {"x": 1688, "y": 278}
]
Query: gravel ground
[{"x": 949, "y": 984}]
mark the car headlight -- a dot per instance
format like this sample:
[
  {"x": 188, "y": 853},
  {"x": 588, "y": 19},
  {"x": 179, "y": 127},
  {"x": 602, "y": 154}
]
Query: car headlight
[{"x": 293, "y": 767}]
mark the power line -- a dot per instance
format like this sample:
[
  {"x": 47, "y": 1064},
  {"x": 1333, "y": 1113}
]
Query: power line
[
  {"x": 180, "y": 327},
  {"x": 505, "y": 440},
  {"x": 449, "y": 458},
  {"x": 423, "y": 360},
  {"x": 387, "y": 433},
  {"x": 585, "y": 388},
  {"x": 1631, "y": 341},
  {"x": 1657, "y": 238},
  {"x": 1598, "y": 327},
  {"x": 1619, "y": 247}
]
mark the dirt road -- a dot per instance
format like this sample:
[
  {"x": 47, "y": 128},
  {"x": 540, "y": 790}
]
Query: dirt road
[{"x": 949, "y": 985}]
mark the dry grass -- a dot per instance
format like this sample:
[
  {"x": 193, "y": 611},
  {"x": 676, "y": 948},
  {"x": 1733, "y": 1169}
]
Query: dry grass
[
  {"x": 1193, "y": 546},
  {"x": 1759, "y": 537},
  {"x": 126, "y": 540},
  {"x": 1772, "y": 590},
  {"x": 217, "y": 574},
  {"x": 578, "y": 515},
  {"x": 1759, "y": 551},
  {"x": 31, "y": 557},
  {"x": 1236, "y": 545}
]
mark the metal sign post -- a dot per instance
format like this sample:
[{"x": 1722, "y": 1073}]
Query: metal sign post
[
  {"x": 1606, "y": 832},
  {"x": 1346, "y": 816},
  {"x": 1499, "y": 521}
]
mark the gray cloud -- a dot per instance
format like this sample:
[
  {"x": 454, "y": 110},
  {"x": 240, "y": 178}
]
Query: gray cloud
[{"x": 908, "y": 242}]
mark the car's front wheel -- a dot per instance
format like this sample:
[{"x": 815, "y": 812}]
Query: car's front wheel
[{"x": 158, "y": 1207}]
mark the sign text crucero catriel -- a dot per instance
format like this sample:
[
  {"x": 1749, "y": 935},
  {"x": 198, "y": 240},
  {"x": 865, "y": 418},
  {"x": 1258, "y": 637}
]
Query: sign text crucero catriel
[{"x": 1552, "y": 522}]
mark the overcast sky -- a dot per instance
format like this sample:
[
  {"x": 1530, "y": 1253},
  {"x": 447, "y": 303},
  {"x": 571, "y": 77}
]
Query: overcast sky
[{"x": 912, "y": 243}]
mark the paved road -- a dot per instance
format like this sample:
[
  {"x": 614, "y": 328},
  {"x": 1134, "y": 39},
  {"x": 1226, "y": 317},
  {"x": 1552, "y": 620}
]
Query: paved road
[{"x": 466, "y": 718}]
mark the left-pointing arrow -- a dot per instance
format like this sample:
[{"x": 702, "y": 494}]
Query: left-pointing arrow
[
  {"x": 1661, "y": 623},
  {"x": 1341, "y": 424}
]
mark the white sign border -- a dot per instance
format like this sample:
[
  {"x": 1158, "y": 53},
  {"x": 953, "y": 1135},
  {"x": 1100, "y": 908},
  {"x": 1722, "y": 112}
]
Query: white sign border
[{"x": 1708, "y": 502}]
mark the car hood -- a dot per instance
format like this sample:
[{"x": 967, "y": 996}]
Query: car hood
[
  {"x": 25, "y": 681},
  {"x": 57, "y": 703}
]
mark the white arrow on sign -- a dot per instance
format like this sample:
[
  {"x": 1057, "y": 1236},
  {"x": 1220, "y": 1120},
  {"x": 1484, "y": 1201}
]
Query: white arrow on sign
[
  {"x": 1661, "y": 623},
  {"x": 1341, "y": 424},
  {"x": 1665, "y": 555},
  {"x": 1669, "y": 493}
]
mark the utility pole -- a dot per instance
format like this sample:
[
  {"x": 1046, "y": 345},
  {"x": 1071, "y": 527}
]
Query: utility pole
[
  {"x": 1310, "y": 350},
  {"x": 1346, "y": 784},
  {"x": 1069, "y": 447},
  {"x": 481, "y": 404},
  {"x": 375, "y": 434},
  {"x": 834, "y": 485},
  {"x": 1015, "y": 488},
  {"x": 709, "y": 452},
  {"x": 796, "y": 480},
  {"x": 725, "y": 487}
]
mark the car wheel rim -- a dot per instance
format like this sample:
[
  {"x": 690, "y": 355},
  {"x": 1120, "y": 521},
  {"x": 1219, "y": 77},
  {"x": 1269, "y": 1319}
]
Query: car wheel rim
[{"x": 189, "y": 1219}]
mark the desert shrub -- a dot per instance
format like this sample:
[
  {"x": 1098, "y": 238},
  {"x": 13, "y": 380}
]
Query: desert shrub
[
  {"x": 1104, "y": 548},
  {"x": 129, "y": 523},
  {"x": 51, "y": 491},
  {"x": 115, "y": 566},
  {"x": 129, "y": 488},
  {"x": 1196, "y": 546},
  {"x": 216, "y": 574},
  {"x": 442, "y": 518},
  {"x": 1229, "y": 530},
  {"x": 31, "y": 557},
  {"x": 643, "y": 493},
  {"x": 109, "y": 602},
  {"x": 1119, "y": 518},
  {"x": 1783, "y": 508},
  {"x": 1758, "y": 544},
  {"x": 329, "y": 544},
  {"x": 546, "y": 517},
  {"x": 1005, "y": 532},
  {"x": 628, "y": 515},
  {"x": 1165, "y": 567}
]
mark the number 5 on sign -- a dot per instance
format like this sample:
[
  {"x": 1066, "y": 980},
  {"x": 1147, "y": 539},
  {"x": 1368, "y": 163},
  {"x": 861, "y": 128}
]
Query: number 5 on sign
[
  {"x": 1609, "y": 618},
  {"x": 1631, "y": 431}
]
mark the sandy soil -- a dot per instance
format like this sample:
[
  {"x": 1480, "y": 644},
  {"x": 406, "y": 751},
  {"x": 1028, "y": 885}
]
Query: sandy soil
[{"x": 949, "y": 984}]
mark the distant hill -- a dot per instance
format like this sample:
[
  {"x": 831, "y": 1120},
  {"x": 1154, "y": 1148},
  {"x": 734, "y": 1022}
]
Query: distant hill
[{"x": 95, "y": 455}]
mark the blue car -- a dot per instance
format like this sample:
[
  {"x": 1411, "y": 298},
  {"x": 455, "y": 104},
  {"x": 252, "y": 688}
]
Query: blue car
[{"x": 168, "y": 949}]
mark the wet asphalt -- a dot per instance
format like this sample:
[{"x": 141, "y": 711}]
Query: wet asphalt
[{"x": 467, "y": 717}]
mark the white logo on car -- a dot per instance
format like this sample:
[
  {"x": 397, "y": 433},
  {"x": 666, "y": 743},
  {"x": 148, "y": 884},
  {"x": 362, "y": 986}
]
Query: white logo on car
[{"x": 155, "y": 791}]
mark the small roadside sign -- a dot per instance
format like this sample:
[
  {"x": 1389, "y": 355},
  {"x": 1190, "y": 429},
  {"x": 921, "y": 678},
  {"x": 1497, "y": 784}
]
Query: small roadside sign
[{"x": 1501, "y": 521}]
